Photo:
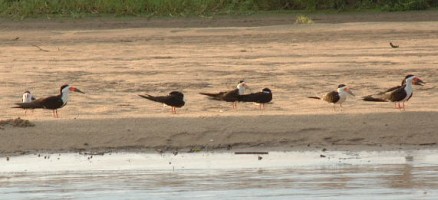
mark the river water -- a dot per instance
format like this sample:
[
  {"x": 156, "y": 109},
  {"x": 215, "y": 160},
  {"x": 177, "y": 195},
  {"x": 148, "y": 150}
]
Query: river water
[{"x": 277, "y": 175}]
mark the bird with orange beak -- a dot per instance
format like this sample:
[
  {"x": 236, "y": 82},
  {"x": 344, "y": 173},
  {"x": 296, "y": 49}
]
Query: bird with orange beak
[
  {"x": 399, "y": 94},
  {"x": 52, "y": 102},
  {"x": 336, "y": 97}
]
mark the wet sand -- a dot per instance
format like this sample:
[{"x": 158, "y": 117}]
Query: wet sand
[
  {"x": 113, "y": 62},
  {"x": 343, "y": 131}
]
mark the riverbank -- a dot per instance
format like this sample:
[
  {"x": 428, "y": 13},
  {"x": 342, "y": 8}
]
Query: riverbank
[{"x": 373, "y": 131}]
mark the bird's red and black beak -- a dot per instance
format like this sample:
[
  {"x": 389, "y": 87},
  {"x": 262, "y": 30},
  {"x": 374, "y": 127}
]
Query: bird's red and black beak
[
  {"x": 418, "y": 81},
  {"x": 349, "y": 91},
  {"x": 73, "y": 89}
]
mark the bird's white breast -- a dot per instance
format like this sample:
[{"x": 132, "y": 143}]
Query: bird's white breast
[{"x": 27, "y": 97}]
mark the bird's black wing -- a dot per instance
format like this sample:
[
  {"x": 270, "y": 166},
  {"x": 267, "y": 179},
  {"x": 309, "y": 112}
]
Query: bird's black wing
[
  {"x": 160, "y": 99},
  {"x": 392, "y": 95},
  {"x": 332, "y": 97},
  {"x": 258, "y": 97},
  {"x": 169, "y": 100},
  {"x": 231, "y": 96},
  {"x": 175, "y": 101},
  {"x": 52, "y": 102},
  {"x": 389, "y": 90},
  {"x": 397, "y": 95},
  {"x": 215, "y": 96}
]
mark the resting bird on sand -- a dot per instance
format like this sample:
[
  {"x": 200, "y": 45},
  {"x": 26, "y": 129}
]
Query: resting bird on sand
[
  {"x": 174, "y": 99},
  {"x": 51, "y": 103},
  {"x": 336, "y": 97},
  {"x": 27, "y": 98},
  {"x": 265, "y": 96},
  {"x": 229, "y": 96},
  {"x": 397, "y": 94}
]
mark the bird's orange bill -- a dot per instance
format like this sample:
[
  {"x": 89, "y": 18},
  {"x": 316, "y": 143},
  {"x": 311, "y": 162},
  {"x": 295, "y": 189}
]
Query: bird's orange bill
[
  {"x": 418, "y": 81},
  {"x": 349, "y": 91},
  {"x": 73, "y": 89}
]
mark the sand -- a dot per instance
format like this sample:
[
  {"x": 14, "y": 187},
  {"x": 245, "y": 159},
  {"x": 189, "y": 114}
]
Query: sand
[{"x": 113, "y": 60}]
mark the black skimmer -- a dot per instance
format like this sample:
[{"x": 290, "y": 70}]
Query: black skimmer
[
  {"x": 397, "y": 94},
  {"x": 229, "y": 96},
  {"x": 336, "y": 97},
  {"x": 265, "y": 96},
  {"x": 27, "y": 98},
  {"x": 174, "y": 99},
  {"x": 53, "y": 102},
  {"x": 393, "y": 45}
]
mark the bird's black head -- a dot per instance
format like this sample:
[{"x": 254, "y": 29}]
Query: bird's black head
[
  {"x": 266, "y": 90},
  {"x": 341, "y": 85},
  {"x": 241, "y": 81},
  {"x": 27, "y": 91},
  {"x": 406, "y": 77},
  {"x": 63, "y": 86},
  {"x": 177, "y": 94}
]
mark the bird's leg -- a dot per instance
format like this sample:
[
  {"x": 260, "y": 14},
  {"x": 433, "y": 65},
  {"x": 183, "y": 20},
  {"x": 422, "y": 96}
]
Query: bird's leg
[
  {"x": 399, "y": 106},
  {"x": 25, "y": 110},
  {"x": 173, "y": 110},
  {"x": 234, "y": 105}
]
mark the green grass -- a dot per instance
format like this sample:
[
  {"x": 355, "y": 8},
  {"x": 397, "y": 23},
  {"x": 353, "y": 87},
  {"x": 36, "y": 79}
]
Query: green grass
[
  {"x": 182, "y": 8},
  {"x": 302, "y": 19}
]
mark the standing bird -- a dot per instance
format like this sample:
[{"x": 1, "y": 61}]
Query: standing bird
[
  {"x": 229, "y": 96},
  {"x": 397, "y": 94},
  {"x": 393, "y": 45},
  {"x": 265, "y": 96},
  {"x": 336, "y": 97},
  {"x": 53, "y": 102},
  {"x": 174, "y": 99},
  {"x": 27, "y": 98}
]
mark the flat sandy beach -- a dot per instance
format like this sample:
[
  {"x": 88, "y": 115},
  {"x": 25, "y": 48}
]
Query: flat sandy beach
[{"x": 114, "y": 60}]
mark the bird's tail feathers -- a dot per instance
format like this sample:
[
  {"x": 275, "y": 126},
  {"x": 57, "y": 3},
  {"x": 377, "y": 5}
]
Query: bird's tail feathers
[
  {"x": 29, "y": 105},
  {"x": 209, "y": 94},
  {"x": 213, "y": 96},
  {"x": 149, "y": 97},
  {"x": 374, "y": 99}
]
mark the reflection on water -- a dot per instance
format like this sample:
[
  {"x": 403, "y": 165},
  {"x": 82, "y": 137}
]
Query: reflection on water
[{"x": 340, "y": 175}]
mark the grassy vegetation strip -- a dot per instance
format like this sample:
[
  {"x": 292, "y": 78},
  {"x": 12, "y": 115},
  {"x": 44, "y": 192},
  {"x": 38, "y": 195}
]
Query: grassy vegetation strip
[{"x": 79, "y": 8}]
